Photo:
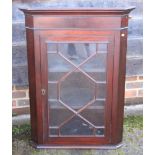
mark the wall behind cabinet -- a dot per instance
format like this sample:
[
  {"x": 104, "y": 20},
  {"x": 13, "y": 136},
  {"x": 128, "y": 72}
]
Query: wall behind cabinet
[{"x": 134, "y": 74}]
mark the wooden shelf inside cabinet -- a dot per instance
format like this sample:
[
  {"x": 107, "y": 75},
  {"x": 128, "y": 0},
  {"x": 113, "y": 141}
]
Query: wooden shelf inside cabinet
[{"x": 76, "y": 67}]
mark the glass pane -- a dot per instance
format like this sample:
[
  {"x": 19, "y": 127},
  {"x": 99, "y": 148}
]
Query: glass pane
[
  {"x": 101, "y": 48},
  {"x": 77, "y": 53},
  {"x": 52, "y": 90},
  {"x": 76, "y": 126},
  {"x": 101, "y": 90},
  {"x": 57, "y": 67},
  {"x": 76, "y": 88},
  {"x": 57, "y": 113},
  {"x": 52, "y": 48},
  {"x": 99, "y": 131},
  {"x": 95, "y": 113},
  {"x": 96, "y": 67},
  {"x": 53, "y": 131}
]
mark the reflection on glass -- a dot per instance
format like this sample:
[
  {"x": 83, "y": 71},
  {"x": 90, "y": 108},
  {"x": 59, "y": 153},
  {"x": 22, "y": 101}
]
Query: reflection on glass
[
  {"x": 77, "y": 126},
  {"x": 76, "y": 88},
  {"x": 99, "y": 131},
  {"x": 95, "y": 113}
]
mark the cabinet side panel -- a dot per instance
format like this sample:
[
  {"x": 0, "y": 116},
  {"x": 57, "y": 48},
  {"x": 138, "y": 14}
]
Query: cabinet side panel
[
  {"x": 119, "y": 85},
  {"x": 29, "y": 20},
  {"x": 121, "y": 82},
  {"x": 32, "y": 87}
]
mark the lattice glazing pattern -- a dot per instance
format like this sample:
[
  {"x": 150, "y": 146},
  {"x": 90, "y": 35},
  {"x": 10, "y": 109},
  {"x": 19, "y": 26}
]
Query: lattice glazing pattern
[{"x": 76, "y": 88}]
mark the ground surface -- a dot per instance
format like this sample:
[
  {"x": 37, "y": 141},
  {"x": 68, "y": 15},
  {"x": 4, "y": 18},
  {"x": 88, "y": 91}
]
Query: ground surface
[{"x": 132, "y": 140}]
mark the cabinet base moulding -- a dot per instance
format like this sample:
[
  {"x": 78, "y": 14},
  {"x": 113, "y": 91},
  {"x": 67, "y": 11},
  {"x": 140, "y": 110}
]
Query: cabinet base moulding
[{"x": 104, "y": 147}]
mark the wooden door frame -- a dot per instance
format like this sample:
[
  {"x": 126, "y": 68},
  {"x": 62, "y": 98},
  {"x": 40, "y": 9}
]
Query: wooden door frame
[{"x": 75, "y": 140}]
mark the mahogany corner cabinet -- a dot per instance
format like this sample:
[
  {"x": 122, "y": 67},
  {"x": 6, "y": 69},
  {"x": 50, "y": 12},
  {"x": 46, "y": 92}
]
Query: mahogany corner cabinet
[{"x": 76, "y": 68}]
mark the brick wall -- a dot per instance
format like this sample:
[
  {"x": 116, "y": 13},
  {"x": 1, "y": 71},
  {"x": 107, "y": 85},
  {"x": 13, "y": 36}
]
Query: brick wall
[
  {"x": 134, "y": 90},
  {"x": 134, "y": 72},
  {"x": 20, "y": 99},
  {"x": 133, "y": 94}
]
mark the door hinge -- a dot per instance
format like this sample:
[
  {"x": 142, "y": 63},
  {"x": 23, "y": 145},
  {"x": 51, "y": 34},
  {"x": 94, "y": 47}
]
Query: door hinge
[{"x": 43, "y": 91}]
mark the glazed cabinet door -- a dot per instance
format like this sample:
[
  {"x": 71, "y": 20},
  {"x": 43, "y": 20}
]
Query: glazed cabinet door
[{"x": 76, "y": 74}]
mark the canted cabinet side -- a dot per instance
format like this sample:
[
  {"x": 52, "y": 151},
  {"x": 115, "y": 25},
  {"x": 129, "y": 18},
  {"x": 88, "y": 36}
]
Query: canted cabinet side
[
  {"x": 119, "y": 82},
  {"x": 32, "y": 84},
  {"x": 33, "y": 54}
]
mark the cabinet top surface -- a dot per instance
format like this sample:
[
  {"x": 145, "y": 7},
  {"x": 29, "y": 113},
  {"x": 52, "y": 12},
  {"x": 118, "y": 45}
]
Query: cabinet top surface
[{"x": 84, "y": 10}]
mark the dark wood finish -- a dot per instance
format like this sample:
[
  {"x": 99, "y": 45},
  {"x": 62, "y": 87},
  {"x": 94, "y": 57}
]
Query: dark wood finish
[
  {"x": 32, "y": 84},
  {"x": 78, "y": 140},
  {"x": 79, "y": 11},
  {"x": 118, "y": 92},
  {"x": 77, "y": 25}
]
